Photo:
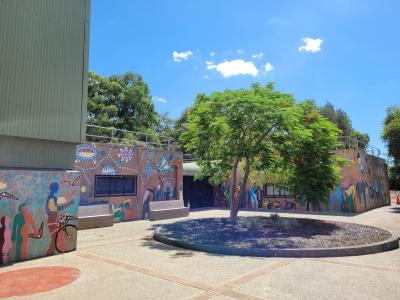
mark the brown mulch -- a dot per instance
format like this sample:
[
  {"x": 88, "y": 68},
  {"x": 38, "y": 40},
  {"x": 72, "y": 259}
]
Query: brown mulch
[{"x": 262, "y": 233}]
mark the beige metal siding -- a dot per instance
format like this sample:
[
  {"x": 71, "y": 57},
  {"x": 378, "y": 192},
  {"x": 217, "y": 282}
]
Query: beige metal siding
[
  {"x": 43, "y": 68},
  {"x": 27, "y": 153}
]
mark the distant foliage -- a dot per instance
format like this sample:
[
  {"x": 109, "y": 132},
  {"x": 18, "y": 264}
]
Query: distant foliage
[
  {"x": 343, "y": 122},
  {"x": 122, "y": 102},
  {"x": 391, "y": 136}
]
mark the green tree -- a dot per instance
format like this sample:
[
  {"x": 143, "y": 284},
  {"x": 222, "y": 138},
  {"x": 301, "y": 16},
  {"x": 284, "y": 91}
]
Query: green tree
[
  {"x": 181, "y": 126},
  {"x": 391, "y": 136},
  {"x": 343, "y": 122},
  {"x": 236, "y": 126},
  {"x": 309, "y": 156},
  {"x": 122, "y": 102}
]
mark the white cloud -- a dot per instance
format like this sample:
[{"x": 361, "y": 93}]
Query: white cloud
[
  {"x": 268, "y": 67},
  {"x": 160, "y": 99},
  {"x": 258, "y": 55},
  {"x": 240, "y": 51},
  {"x": 312, "y": 45},
  {"x": 212, "y": 54},
  {"x": 179, "y": 56},
  {"x": 234, "y": 67},
  {"x": 206, "y": 76}
]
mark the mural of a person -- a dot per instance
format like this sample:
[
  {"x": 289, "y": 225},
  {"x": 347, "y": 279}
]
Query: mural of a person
[
  {"x": 236, "y": 195},
  {"x": 22, "y": 224},
  {"x": 168, "y": 191},
  {"x": 54, "y": 204},
  {"x": 5, "y": 240},
  {"x": 253, "y": 197},
  {"x": 145, "y": 202},
  {"x": 350, "y": 201},
  {"x": 159, "y": 190}
]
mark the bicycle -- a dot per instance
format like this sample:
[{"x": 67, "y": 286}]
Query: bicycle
[{"x": 66, "y": 234}]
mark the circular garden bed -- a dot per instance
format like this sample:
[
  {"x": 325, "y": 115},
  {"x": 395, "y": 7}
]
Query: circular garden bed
[{"x": 285, "y": 237}]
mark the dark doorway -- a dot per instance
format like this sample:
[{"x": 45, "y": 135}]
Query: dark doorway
[{"x": 197, "y": 193}]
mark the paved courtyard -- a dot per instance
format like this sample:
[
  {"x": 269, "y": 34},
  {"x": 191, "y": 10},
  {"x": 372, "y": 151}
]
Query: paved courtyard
[{"x": 123, "y": 262}]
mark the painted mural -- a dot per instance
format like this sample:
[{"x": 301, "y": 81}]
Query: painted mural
[
  {"x": 364, "y": 183},
  {"x": 363, "y": 186},
  {"x": 158, "y": 171},
  {"x": 38, "y": 213}
]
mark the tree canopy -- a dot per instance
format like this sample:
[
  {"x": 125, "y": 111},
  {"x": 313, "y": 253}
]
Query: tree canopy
[
  {"x": 121, "y": 101},
  {"x": 391, "y": 136},
  {"x": 250, "y": 127},
  {"x": 343, "y": 122},
  {"x": 310, "y": 156}
]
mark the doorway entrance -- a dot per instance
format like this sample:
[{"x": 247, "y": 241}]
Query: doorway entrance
[{"x": 197, "y": 193}]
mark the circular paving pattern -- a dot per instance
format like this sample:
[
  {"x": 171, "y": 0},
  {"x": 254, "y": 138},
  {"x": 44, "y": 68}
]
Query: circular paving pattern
[{"x": 35, "y": 280}]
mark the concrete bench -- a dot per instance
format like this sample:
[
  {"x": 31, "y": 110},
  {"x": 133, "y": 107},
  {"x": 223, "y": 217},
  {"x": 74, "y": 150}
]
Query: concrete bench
[
  {"x": 169, "y": 209},
  {"x": 94, "y": 216}
]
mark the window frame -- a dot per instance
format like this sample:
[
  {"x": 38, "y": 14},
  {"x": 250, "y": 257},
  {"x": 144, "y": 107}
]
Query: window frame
[
  {"x": 110, "y": 179},
  {"x": 276, "y": 192}
]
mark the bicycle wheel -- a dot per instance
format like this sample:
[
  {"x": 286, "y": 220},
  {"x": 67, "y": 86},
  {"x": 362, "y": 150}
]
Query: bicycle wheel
[{"x": 66, "y": 239}]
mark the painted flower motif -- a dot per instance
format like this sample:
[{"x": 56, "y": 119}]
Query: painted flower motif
[{"x": 126, "y": 154}]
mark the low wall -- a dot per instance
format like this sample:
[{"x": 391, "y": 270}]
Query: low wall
[
  {"x": 35, "y": 208},
  {"x": 364, "y": 185},
  {"x": 158, "y": 172}
]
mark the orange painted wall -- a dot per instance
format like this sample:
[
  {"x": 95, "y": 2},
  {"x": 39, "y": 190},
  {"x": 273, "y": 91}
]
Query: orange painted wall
[{"x": 158, "y": 171}]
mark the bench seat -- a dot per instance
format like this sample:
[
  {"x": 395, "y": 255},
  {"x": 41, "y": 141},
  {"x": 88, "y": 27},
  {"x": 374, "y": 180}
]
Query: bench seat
[
  {"x": 168, "y": 209},
  {"x": 94, "y": 216}
]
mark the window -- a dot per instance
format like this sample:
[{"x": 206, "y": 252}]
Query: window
[
  {"x": 271, "y": 190},
  {"x": 115, "y": 185}
]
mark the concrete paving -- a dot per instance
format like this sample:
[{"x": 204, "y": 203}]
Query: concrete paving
[{"x": 123, "y": 262}]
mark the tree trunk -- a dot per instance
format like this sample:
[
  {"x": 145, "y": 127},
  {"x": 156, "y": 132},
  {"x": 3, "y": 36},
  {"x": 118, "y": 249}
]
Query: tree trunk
[
  {"x": 232, "y": 191},
  {"x": 308, "y": 205},
  {"x": 242, "y": 194}
]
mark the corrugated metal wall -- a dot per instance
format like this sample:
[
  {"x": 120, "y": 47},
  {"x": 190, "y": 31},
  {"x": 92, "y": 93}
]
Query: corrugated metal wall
[
  {"x": 27, "y": 153},
  {"x": 43, "y": 68}
]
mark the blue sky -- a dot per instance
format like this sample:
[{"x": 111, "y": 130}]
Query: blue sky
[{"x": 351, "y": 57}]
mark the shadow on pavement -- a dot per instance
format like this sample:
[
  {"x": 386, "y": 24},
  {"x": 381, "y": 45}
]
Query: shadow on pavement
[
  {"x": 395, "y": 209},
  {"x": 149, "y": 242}
]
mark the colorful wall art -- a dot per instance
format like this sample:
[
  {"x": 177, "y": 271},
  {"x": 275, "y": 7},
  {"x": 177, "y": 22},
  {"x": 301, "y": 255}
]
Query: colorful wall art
[
  {"x": 363, "y": 186},
  {"x": 38, "y": 213},
  {"x": 157, "y": 172}
]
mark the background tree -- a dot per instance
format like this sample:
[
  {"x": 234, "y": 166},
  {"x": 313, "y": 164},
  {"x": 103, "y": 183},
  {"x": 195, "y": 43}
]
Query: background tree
[
  {"x": 391, "y": 136},
  {"x": 122, "y": 102},
  {"x": 343, "y": 122},
  {"x": 233, "y": 126},
  {"x": 309, "y": 156},
  {"x": 181, "y": 126}
]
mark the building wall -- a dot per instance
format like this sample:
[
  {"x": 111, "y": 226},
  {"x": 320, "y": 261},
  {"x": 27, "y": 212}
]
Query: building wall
[
  {"x": 158, "y": 171},
  {"x": 363, "y": 186},
  {"x": 43, "y": 77},
  {"x": 32, "y": 203}
]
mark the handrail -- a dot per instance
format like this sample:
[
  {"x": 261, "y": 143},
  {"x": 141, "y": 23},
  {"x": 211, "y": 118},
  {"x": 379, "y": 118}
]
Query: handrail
[
  {"x": 95, "y": 133},
  {"x": 353, "y": 143},
  {"x": 348, "y": 143},
  {"x": 188, "y": 158}
]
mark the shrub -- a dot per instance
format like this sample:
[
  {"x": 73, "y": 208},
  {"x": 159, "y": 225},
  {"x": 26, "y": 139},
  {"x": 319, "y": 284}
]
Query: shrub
[
  {"x": 252, "y": 224},
  {"x": 275, "y": 217}
]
